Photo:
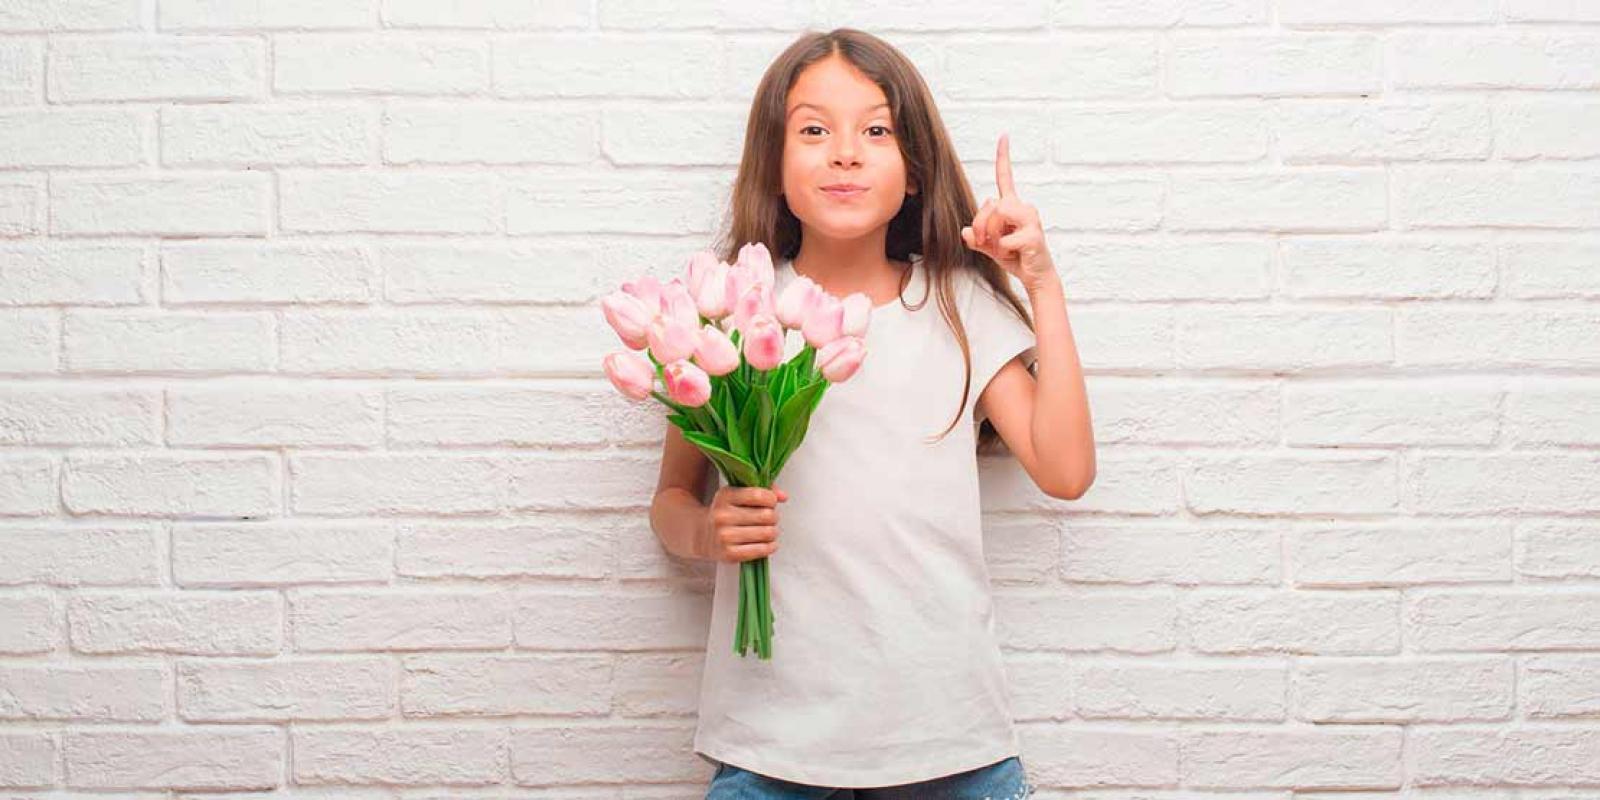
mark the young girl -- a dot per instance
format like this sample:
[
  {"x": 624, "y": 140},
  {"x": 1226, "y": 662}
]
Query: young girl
[{"x": 886, "y": 679}]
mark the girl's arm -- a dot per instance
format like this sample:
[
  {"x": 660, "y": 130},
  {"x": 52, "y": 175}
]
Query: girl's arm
[{"x": 1045, "y": 421}]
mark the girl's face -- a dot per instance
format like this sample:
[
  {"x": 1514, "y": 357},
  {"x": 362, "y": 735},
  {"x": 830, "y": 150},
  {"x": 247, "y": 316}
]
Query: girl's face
[{"x": 839, "y": 131}]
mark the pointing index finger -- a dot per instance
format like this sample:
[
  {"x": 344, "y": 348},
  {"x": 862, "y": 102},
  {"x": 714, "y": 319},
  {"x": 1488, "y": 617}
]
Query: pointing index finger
[{"x": 1002, "y": 167}]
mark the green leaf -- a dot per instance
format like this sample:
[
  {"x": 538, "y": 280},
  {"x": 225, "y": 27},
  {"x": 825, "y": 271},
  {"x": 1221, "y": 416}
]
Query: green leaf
[
  {"x": 764, "y": 427},
  {"x": 794, "y": 419},
  {"x": 740, "y": 472}
]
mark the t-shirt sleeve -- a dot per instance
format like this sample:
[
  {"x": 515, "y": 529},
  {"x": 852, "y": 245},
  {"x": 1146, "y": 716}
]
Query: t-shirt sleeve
[{"x": 996, "y": 334}]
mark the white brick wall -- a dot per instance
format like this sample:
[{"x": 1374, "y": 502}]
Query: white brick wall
[{"x": 310, "y": 485}]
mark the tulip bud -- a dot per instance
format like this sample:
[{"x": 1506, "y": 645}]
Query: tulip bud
[
  {"x": 824, "y": 322},
  {"x": 857, "y": 313},
  {"x": 631, "y": 374},
  {"x": 699, "y": 266},
  {"x": 677, "y": 304},
  {"x": 840, "y": 358},
  {"x": 756, "y": 300},
  {"x": 671, "y": 340},
  {"x": 763, "y": 342},
  {"x": 794, "y": 300},
  {"x": 648, "y": 290},
  {"x": 756, "y": 258},
  {"x": 715, "y": 352},
  {"x": 740, "y": 279},
  {"x": 712, "y": 296},
  {"x": 629, "y": 317},
  {"x": 687, "y": 384}
]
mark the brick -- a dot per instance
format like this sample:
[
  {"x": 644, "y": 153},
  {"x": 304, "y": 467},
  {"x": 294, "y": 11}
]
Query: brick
[
  {"x": 27, "y": 759},
  {"x": 676, "y": 67},
  {"x": 1533, "y": 59},
  {"x": 1383, "y": 268},
  {"x": 22, "y": 207},
  {"x": 656, "y": 754},
  {"x": 1378, "y": 12},
  {"x": 337, "y": 63},
  {"x": 1559, "y": 686},
  {"x": 1548, "y": 129},
  {"x": 171, "y": 483},
  {"x": 284, "y": 690},
  {"x": 1548, "y": 269},
  {"x": 499, "y": 14},
  {"x": 547, "y": 548},
  {"x": 1557, "y": 550},
  {"x": 1087, "y": 620},
  {"x": 73, "y": 15},
  {"x": 1283, "y": 339},
  {"x": 1388, "y": 556},
  {"x": 187, "y": 623},
  {"x": 1326, "y": 622},
  {"x": 610, "y": 621},
  {"x": 1188, "y": 134},
  {"x": 490, "y": 134},
  {"x": 399, "y": 620},
  {"x": 29, "y": 623},
  {"x": 1126, "y": 689},
  {"x": 1470, "y": 337},
  {"x": 1333, "y": 757},
  {"x": 1237, "y": 65},
  {"x": 248, "y": 136},
  {"x": 1302, "y": 200},
  {"x": 73, "y": 556},
  {"x": 307, "y": 416},
  {"x": 79, "y": 413},
  {"x": 388, "y": 202},
  {"x": 1503, "y": 620},
  {"x": 109, "y": 69},
  {"x": 1164, "y": 411},
  {"x": 1416, "y": 411},
  {"x": 191, "y": 758},
  {"x": 1136, "y": 553},
  {"x": 284, "y": 14},
  {"x": 71, "y": 137},
  {"x": 1062, "y": 67},
  {"x": 70, "y": 273},
  {"x": 1452, "y": 197},
  {"x": 338, "y": 485},
  {"x": 1552, "y": 411},
  {"x": 1383, "y": 690},
  {"x": 269, "y": 554},
  {"x": 1519, "y": 755},
  {"x": 28, "y": 485},
  {"x": 431, "y": 756},
  {"x": 103, "y": 693},
  {"x": 575, "y": 685},
  {"x": 1158, "y": 13},
  {"x": 170, "y": 205},
  {"x": 1357, "y": 131}
]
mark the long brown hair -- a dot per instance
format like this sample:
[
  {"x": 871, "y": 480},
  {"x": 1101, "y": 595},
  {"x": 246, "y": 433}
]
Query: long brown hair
[{"x": 929, "y": 222}]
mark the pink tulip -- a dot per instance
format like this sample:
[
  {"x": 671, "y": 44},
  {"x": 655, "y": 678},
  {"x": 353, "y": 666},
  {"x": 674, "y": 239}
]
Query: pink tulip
[
  {"x": 712, "y": 296},
  {"x": 695, "y": 271},
  {"x": 756, "y": 300},
  {"x": 824, "y": 321},
  {"x": 857, "y": 313},
  {"x": 763, "y": 342},
  {"x": 839, "y": 359},
  {"x": 677, "y": 304},
  {"x": 631, "y": 374},
  {"x": 794, "y": 300},
  {"x": 740, "y": 279},
  {"x": 629, "y": 317},
  {"x": 716, "y": 353},
  {"x": 647, "y": 289},
  {"x": 671, "y": 340},
  {"x": 687, "y": 384},
  {"x": 756, "y": 258}
]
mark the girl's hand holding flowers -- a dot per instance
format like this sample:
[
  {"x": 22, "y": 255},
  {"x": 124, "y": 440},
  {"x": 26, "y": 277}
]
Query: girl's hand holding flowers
[{"x": 715, "y": 337}]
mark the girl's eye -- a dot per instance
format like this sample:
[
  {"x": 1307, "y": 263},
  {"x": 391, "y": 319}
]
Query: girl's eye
[{"x": 883, "y": 128}]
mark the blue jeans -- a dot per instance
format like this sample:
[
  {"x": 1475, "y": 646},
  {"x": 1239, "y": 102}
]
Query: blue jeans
[{"x": 1002, "y": 780}]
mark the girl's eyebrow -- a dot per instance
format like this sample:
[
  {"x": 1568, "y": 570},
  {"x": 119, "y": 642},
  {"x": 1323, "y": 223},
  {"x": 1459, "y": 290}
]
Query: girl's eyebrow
[{"x": 820, "y": 108}]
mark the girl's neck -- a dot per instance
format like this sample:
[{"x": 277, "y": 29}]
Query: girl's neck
[{"x": 844, "y": 267}]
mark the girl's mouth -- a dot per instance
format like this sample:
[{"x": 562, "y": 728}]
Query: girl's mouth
[{"x": 844, "y": 194}]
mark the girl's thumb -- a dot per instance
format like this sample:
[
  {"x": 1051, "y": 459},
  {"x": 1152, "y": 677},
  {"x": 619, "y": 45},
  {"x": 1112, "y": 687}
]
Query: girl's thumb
[{"x": 782, "y": 495}]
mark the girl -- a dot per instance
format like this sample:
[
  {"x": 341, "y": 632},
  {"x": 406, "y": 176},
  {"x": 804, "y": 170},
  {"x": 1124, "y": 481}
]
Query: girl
[{"x": 886, "y": 679}]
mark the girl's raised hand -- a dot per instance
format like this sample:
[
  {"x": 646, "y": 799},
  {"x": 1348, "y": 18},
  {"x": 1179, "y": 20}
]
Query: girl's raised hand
[{"x": 1008, "y": 229}]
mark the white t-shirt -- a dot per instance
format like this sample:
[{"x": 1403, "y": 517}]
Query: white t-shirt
[{"x": 885, "y": 668}]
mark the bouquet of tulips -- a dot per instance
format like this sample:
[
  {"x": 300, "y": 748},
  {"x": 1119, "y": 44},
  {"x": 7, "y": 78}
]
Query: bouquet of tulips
[{"x": 715, "y": 337}]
